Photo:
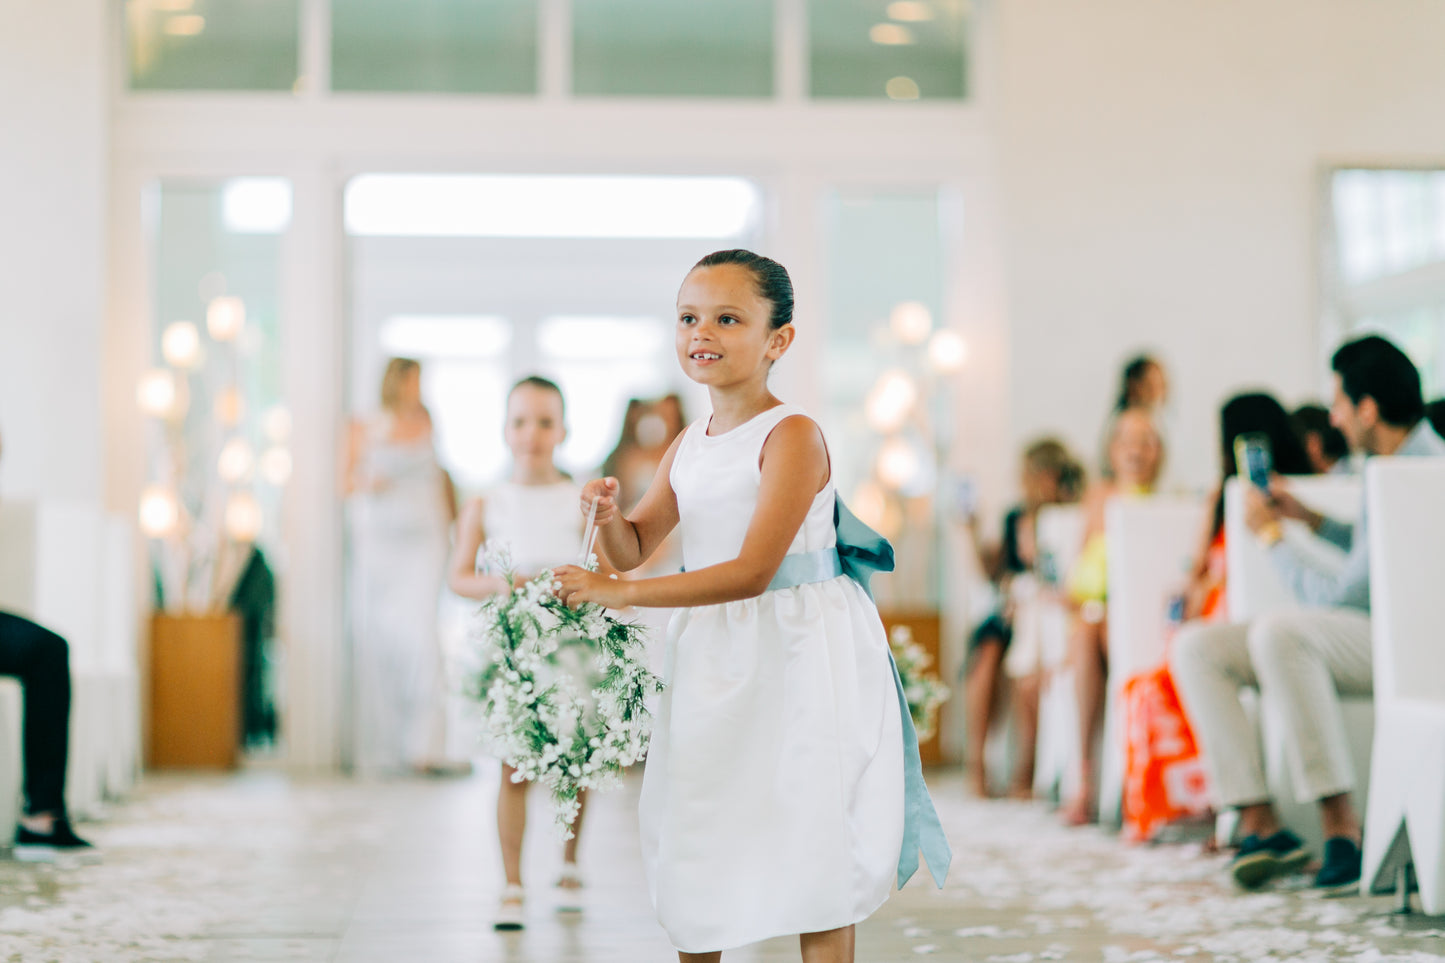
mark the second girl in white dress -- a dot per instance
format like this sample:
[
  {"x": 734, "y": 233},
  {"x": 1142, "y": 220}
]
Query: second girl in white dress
[{"x": 533, "y": 514}]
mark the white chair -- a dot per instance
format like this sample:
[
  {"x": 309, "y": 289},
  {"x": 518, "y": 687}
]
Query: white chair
[
  {"x": 10, "y": 706},
  {"x": 51, "y": 566},
  {"x": 119, "y": 659},
  {"x": 1060, "y": 536},
  {"x": 1405, "y": 818},
  {"x": 1254, "y": 588},
  {"x": 67, "y": 566},
  {"x": 1152, "y": 544}
]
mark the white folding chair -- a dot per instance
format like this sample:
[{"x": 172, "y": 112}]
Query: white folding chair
[
  {"x": 1405, "y": 819},
  {"x": 1060, "y": 536},
  {"x": 1152, "y": 543}
]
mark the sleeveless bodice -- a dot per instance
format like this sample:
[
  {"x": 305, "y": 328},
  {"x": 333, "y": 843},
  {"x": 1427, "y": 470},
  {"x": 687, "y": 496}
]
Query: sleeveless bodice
[
  {"x": 716, "y": 479},
  {"x": 541, "y": 525}
]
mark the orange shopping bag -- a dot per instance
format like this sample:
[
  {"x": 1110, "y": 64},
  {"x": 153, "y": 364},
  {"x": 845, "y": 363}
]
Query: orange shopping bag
[{"x": 1164, "y": 777}]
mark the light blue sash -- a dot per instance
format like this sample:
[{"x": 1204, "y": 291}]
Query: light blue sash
[{"x": 861, "y": 552}]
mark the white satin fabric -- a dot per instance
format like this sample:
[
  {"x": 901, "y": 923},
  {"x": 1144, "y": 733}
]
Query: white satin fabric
[
  {"x": 399, "y": 553},
  {"x": 772, "y": 802}
]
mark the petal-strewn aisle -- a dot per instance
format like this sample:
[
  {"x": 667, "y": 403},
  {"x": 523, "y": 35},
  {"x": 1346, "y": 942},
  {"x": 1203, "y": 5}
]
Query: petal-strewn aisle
[{"x": 261, "y": 867}]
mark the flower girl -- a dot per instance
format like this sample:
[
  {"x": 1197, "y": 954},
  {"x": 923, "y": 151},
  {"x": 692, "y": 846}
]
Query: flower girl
[
  {"x": 782, "y": 788},
  {"x": 532, "y": 514}
]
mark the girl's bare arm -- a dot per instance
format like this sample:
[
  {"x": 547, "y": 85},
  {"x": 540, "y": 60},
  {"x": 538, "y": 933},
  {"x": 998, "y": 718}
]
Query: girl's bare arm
[
  {"x": 628, "y": 542},
  {"x": 462, "y": 575}
]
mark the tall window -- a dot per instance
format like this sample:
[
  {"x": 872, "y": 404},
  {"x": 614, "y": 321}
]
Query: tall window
[
  {"x": 663, "y": 48},
  {"x": 213, "y": 44},
  {"x": 900, "y": 50},
  {"x": 894, "y": 49},
  {"x": 1386, "y": 268},
  {"x": 441, "y": 46}
]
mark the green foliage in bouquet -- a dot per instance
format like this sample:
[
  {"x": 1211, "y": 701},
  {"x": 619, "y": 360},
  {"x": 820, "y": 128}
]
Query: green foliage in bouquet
[
  {"x": 538, "y": 717},
  {"x": 922, "y": 689}
]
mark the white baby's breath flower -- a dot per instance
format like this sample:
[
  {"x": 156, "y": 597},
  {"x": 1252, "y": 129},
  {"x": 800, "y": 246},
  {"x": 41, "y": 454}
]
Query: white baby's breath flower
[{"x": 537, "y": 718}]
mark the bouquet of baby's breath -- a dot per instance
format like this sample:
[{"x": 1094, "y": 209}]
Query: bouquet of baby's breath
[
  {"x": 563, "y": 691},
  {"x": 922, "y": 689}
]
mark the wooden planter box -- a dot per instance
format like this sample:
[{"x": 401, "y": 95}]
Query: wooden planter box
[
  {"x": 195, "y": 692},
  {"x": 927, "y": 632}
]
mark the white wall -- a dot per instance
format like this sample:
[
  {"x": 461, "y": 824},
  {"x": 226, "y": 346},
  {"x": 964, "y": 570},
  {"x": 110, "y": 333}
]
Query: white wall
[
  {"x": 54, "y": 105},
  {"x": 1161, "y": 164}
]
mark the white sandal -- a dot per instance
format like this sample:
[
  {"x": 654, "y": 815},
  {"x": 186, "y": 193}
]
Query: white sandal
[
  {"x": 510, "y": 911},
  {"x": 569, "y": 889}
]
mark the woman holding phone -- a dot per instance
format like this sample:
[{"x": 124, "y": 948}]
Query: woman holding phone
[{"x": 1255, "y": 435}]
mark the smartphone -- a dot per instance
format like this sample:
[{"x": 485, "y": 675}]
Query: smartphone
[{"x": 1254, "y": 459}]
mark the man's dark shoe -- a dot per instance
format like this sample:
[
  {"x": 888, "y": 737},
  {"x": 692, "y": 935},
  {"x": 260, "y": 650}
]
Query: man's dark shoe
[
  {"x": 1261, "y": 860},
  {"x": 1340, "y": 874},
  {"x": 33, "y": 846}
]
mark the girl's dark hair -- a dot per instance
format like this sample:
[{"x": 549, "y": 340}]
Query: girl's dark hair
[
  {"x": 770, "y": 277},
  {"x": 537, "y": 381},
  {"x": 1258, "y": 413},
  {"x": 1134, "y": 373}
]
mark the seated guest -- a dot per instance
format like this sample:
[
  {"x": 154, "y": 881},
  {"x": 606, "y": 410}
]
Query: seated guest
[
  {"x": 1329, "y": 452},
  {"x": 1143, "y": 383},
  {"x": 1303, "y": 660},
  {"x": 1247, "y": 414},
  {"x": 1007, "y": 641},
  {"x": 1136, "y": 456},
  {"x": 40, "y": 660}
]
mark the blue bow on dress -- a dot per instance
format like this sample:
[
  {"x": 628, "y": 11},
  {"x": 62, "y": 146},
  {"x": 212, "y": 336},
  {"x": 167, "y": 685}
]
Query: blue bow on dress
[{"x": 860, "y": 553}]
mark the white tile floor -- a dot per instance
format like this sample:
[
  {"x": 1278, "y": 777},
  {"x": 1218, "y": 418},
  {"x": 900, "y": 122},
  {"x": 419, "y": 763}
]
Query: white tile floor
[{"x": 264, "y": 868}]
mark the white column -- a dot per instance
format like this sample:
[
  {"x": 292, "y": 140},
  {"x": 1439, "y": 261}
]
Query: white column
[
  {"x": 554, "y": 49},
  {"x": 315, "y": 73},
  {"x": 54, "y": 115},
  {"x": 793, "y": 237},
  {"x": 790, "y": 51},
  {"x": 312, "y": 623}
]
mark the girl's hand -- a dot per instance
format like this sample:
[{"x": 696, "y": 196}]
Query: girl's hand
[
  {"x": 604, "y": 490},
  {"x": 579, "y": 586}
]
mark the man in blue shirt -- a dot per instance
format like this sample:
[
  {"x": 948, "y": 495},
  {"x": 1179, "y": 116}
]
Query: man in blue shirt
[{"x": 1302, "y": 660}]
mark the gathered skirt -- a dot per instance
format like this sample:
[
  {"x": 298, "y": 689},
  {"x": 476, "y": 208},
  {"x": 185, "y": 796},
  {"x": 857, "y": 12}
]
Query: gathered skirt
[{"x": 772, "y": 801}]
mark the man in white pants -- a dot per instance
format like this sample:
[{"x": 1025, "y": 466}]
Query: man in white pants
[{"x": 1302, "y": 660}]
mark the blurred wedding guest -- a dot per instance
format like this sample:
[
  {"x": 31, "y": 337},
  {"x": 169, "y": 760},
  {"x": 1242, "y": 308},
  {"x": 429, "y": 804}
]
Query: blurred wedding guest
[
  {"x": 648, "y": 428},
  {"x": 648, "y": 431},
  {"x": 402, "y": 506},
  {"x": 1435, "y": 414},
  {"x": 1136, "y": 457},
  {"x": 1008, "y": 642},
  {"x": 1302, "y": 659},
  {"x": 40, "y": 661},
  {"x": 1246, "y": 414},
  {"x": 1325, "y": 445},
  {"x": 1143, "y": 384},
  {"x": 616, "y": 464}
]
